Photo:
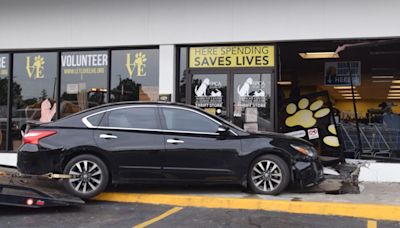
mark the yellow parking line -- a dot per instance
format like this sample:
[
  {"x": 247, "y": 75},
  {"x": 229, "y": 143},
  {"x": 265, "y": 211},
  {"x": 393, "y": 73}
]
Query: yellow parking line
[
  {"x": 372, "y": 224},
  {"x": 367, "y": 211},
  {"x": 158, "y": 218}
]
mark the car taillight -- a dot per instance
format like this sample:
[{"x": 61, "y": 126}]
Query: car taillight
[{"x": 33, "y": 136}]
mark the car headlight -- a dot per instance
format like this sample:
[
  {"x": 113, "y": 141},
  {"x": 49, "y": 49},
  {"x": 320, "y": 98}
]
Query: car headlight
[{"x": 306, "y": 150}]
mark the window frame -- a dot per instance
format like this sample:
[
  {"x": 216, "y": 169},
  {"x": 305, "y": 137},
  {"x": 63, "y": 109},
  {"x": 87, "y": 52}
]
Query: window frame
[{"x": 107, "y": 112}]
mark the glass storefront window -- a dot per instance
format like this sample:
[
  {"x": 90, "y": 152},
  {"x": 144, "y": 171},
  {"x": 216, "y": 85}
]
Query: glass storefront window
[
  {"x": 4, "y": 77},
  {"x": 83, "y": 80},
  {"x": 135, "y": 75},
  {"x": 252, "y": 101},
  {"x": 34, "y": 80},
  {"x": 209, "y": 92}
]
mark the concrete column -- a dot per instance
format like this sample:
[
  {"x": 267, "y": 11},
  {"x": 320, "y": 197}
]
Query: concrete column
[{"x": 167, "y": 70}]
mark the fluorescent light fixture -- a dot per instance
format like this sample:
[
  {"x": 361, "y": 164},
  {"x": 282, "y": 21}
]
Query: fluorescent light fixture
[
  {"x": 346, "y": 91},
  {"x": 349, "y": 95},
  {"x": 394, "y": 91},
  {"x": 381, "y": 81},
  {"x": 343, "y": 87},
  {"x": 393, "y": 98},
  {"x": 394, "y": 95},
  {"x": 349, "y": 98},
  {"x": 395, "y": 87},
  {"x": 382, "y": 76},
  {"x": 319, "y": 55},
  {"x": 284, "y": 83},
  {"x": 396, "y": 81}
]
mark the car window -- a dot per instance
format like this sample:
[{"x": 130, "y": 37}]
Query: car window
[
  {"x": 135, "y": 117},
  {"x": 185, "y": 120},
  {"x": 95, "y": 120}
]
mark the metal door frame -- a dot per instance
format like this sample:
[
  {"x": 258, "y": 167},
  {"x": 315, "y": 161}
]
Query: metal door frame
[{"x": 230, "y": 90}]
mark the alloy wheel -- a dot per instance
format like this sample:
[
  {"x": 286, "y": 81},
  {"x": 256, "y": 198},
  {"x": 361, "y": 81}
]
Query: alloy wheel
[
  {"x": 266, "y": 175},
  {"x": 86, "y": 176}
]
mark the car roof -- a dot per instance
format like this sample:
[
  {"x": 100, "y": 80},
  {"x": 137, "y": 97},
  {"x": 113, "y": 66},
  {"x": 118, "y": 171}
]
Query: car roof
[{"x": 124, "y": 103}]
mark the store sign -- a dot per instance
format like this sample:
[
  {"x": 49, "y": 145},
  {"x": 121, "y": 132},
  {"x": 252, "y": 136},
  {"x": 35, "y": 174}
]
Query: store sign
[
  {"x": 4, "y": 65},
  {"x": 232, "y": 56},
  {"x": 338, "y": 73},
  {"x": 137, "y": 65},
  {"x": 35, "y": 66},
  {"x": 84, "y": 63}
]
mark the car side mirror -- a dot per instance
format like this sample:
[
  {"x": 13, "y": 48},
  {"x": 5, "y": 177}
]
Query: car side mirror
[{"x": 223, "y": 131}]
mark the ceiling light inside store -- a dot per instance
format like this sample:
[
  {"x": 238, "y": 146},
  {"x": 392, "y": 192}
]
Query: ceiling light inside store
[
  {"x": 393, "y": 98},
  {"x": 346, "y": 91},
  {"x": 284, "y": 83},
  {"x": 319, "y": 55},
  {"x": 395, "y": 87},
  {"x": 349, "y": 98},
  {"x": 396, "y": 81},
  {"x": 394, "y": 91},
  {"x": 383, "y": 76},
  {"x": 350, "y": 95},
  {"x": 381, "y": 81},
  {"x": 343, "y": 87},
  {"x": 394, "y": 95}
]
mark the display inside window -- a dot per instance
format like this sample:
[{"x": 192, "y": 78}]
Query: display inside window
[
  {"x": 135, "y": 75},
  {"x": 83, "y": 80},
  {"x": 34, "y": 81}
]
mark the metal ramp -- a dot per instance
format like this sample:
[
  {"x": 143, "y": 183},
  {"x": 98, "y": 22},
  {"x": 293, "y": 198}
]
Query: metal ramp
[{"x": 32, "y": 191}]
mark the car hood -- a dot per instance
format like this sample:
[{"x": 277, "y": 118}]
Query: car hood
[{"x": 280, "y": 136}]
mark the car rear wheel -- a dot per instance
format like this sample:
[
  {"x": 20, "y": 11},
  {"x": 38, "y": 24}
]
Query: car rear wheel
[
  {"x": 89, "y": 176},
  {"x": 268, "y": 174}
]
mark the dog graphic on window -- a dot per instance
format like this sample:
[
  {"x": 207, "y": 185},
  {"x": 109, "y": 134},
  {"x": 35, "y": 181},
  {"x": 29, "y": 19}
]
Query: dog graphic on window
[
  {"x": 245, "y": 90},
  {"x": 201, "y": 91}
]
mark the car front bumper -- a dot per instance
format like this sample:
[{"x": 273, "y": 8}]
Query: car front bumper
[
  {"x": 308, "y": 173},
  {"x": 33, "y": 161}
]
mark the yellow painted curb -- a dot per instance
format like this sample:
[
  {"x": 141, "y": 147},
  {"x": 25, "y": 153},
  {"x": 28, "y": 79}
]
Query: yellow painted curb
[{"x": 367, "y": 211}]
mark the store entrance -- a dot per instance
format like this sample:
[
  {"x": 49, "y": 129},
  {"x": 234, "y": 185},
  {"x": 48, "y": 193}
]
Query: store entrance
[{"x": 244, "y": 97}]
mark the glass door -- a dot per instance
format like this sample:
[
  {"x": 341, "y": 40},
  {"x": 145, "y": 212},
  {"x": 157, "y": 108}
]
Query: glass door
[
  {"x": 210, "y": 92},
  {"x": 252, "y": 93},
  {"x": 244, "y": 97}
]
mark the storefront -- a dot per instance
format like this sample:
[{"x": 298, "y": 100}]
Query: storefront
[
  {"x": 236, "y": 83},
  {"x": 299, "y": 95},
  {"x": 71, "y": 81}
]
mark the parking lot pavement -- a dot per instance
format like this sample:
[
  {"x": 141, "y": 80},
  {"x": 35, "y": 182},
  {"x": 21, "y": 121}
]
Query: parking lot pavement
[{"x": 111, "y": 214}]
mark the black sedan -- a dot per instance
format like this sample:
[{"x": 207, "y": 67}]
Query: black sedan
[{"x": 153, "y": 142}]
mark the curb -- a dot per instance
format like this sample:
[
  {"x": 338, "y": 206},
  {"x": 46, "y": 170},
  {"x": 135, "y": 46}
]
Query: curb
[{"x": 367, "y": 211}]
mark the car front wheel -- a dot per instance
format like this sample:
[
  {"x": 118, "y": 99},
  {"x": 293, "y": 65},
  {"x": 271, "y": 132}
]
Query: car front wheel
[
  {"x": 89, "y": 176},
  {"x": 268, "y": 174}
]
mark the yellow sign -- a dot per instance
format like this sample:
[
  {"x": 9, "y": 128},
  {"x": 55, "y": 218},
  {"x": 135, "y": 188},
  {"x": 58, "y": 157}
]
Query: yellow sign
[
  {"x": 137, "y": 65},
  {"x": 232, "y": 56},
  {"x": 35, "y": 69}
]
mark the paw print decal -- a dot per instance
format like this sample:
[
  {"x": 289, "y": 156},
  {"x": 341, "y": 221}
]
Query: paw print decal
[
  {"x": 305, "y": 115},
  {"x": 332, "y": 140}
]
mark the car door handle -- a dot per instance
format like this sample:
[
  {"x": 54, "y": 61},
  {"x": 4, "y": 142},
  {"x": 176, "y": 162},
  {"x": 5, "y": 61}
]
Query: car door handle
[
  {"x": 175, "y": 141},
  {"x": 107, "y": 136}
]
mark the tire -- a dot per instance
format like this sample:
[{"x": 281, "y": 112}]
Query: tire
[
  {"x": 91, "y": 176},
  {"x": 270, "y": 180}
]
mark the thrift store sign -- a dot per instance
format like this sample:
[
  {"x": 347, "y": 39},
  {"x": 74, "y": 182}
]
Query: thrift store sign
[{"x": 232, "y": 56}]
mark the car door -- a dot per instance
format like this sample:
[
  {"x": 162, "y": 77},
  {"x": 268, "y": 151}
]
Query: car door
[
  {"x": 194, "y": 150},
  {"x": 132, "y": 137}
]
